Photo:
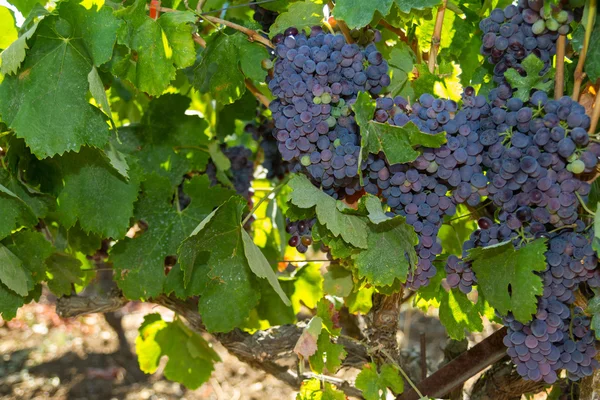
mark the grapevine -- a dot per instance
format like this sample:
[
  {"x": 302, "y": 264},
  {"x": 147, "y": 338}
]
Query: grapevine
[{"x": 289, "y": 177}]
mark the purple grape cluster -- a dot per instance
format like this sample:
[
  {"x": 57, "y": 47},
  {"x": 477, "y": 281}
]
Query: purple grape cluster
[
  {"x": 459, "y": 274},
  {"x": 533, "y": 159},
  {"x": 264, "y": 17},
  {"x": 315, "y": 80},
  {"x": 513, "y": 33},
  {"x": 300, "y": 232},
  {"x": 242, "y": 169}
]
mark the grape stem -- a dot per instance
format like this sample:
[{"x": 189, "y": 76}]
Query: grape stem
[
  {"x": 595, "y": 114},
  {"x": 253, "y": 35},
  {"x": 269, "y": 197},
  {"x": 584, "y": 205},
  {"x": 579, "y": 74},
  {"x": 437, "y": 33},
  {"x": 402, "y": 36},
  {"x": 559, "y": 81},
  {"x": 343, "y": 27}
]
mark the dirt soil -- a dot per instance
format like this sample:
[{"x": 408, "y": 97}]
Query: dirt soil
[{"x": 43, "y": 356}]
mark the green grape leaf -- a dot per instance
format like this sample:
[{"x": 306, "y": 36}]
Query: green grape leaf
[
  {"x": 398, "y": 143},
  {"x": 306, "y": 345},
  {"x": 25, "y": 6},
  {"x": 308, "y": 287},
  {"x": 501, "y": 268},
  {"x": 63, "y": 271},
  {"x": 260, "y": 266},
  {"x": 54, "y": 76},
  {"x": 458, "y": 313},
  {"x": 190, "y": 358},
  {"x": 167, "y": 142},
  {"x": 352, "y": 229},
  {"x": 592, "y": 61},
  {"x": 594, "y": 196},
  {"x": 533, "y": 67},
  {"x": 10, "y": 302},
  {"x": 374, "y": 384},
  {"x": 328, "y": 357},
  {"x": 357, "y": 17},
  {"x": 243, "y": 109},
  {"x": 95, "y": 194},
  {"x": 593, "y": 309},
  {"x": 360, "y": 300},
  {"x": 300, "y": 14},
  {"x": 401, "y": 61},
  {"x": 389, "y": 254},
  {"x": 161, "y": 46},
  {"x": 271, "y": 308},
  {"x": 225, "y": 63},
  {"x": 372, "y": 207},
  {"x": 406, "y": 6},
  {"x": 9, "y": 33},
  {"x": 32, "y": 250},
  {"x": 227, "y": 285},
  {"x": 20, "y": 205},
  {"x": 140, "y": 261},
  {"x": 311, "y": 390},
  {"x": 12, "y": 273},
  {"x": 337, "y": 281},
  {"x": 596, "y": 241},
  {"x": 327, "y": 312}
]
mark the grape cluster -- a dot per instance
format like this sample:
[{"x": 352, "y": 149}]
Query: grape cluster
[
  {"x": 242, "y": 170},
  {"x": 301, "y": 233},
  {"x": 315, "y": 80},
  {"x": 533, "y": 159},
  {"x": 264, "y": 17},
  {"x": 513, "y": 33},
  {"x": 459, "y": 274}
]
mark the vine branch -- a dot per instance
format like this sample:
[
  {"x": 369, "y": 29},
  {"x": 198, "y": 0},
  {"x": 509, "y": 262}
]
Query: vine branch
[
  {"x": 579, "y": 74},
  {"x": 343, "y": 27},
  {"x": 559, "y": 81},
  {"x": 252, "y": 34},
  {"x": 595, "y": 114},
  {"x": 437, "y": 33}
]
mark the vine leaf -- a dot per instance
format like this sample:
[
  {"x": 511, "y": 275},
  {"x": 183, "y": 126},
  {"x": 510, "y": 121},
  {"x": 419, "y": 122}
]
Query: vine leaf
[
  {"x": 260, "y": 266},
  {"x": 95, "y": 195},
  {"x": 329, "y": 355},
  {"x": 299, "y": 14},
  {"x": 64, "y": 270},
  {"x": 13, "y": 56},
  {"x": 596, "y": 240},
  {"x": 406, "y": 6},
  {"x": 372, "y": 207},
  {"x": 225, "y": 63},
  {"x": 374, "y": 384},
  {"x": 9, "y": 34},
  {"x": 338, "y": 281},
  {"x": 533, "y": 67},
  {"x": 190, "y": 358},
  {"x": 458, "y": 313},
  {"x": 161, "y": 45},
  {"x": 167, "y": 142},
  {"x": 311, "y": 390},
  {"x": 218, "y": 269},
  {"x": 19, "y": 206},
  {"x": 593, "y": 309},
  {"x": 54, "y": 76},
  {"x": 140, "y": 261},
  {"x": 390, "y": 252},
  {"x": 398, "y": 143},
  {"x": 401, "y": 61},
  {"x": 12, "y": 273},
  {"x": 32, "y": 249},
  {"x": 507, "y": 276},
  {"x": 25, "y": 6},
  {"x": 306, "y": 345},
  {"x": 351, "y": 228},
  {"x": 592, "y": 63},
  {"x": 357, "y": 17}
]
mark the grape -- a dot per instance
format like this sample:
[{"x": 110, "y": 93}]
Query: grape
[{"x": 301, "y": 233}]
